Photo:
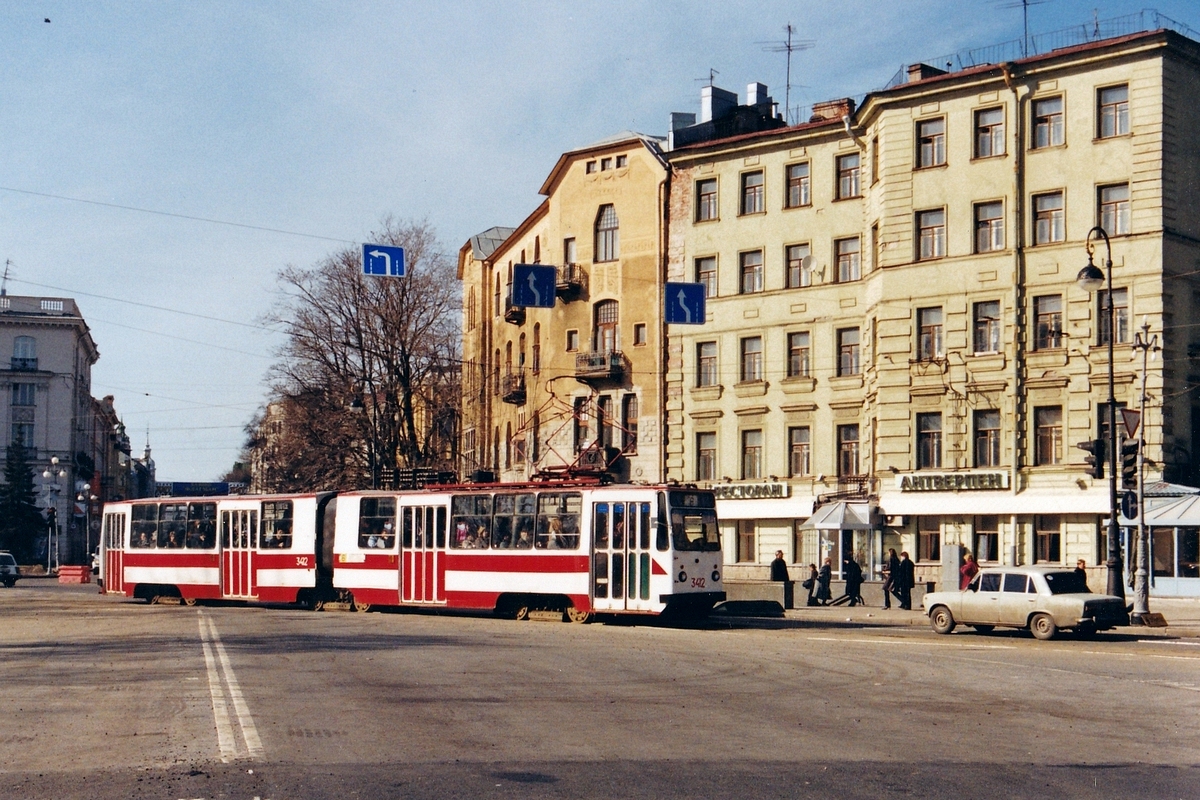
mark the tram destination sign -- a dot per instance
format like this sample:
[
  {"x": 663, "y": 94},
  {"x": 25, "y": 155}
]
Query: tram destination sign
[{"x": 952, "y": 481}]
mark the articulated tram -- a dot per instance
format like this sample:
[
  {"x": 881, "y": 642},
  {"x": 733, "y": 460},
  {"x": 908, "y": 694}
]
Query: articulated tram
[{"x": 515, "y": 549}]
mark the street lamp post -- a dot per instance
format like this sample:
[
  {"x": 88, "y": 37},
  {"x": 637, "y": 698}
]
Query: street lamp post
[
  {"x": 52, "y": 491},
  {"x": 1141, "y": 577},
  {"x": 84, "y": 498},
  {"x": 1092, "y": 279}
]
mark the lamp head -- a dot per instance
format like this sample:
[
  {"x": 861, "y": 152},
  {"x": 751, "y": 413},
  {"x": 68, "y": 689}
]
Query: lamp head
[{"x": 1090, "y": 278}]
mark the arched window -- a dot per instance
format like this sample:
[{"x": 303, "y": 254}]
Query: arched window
[
  {"x": 508, "y": 446},
  {"x": 508, "y": 357},
  {"x": 605, "y": 338},
  {"x": 608, "y": 238},
  {"x": 471, "y": 310},
  {"x": 496, "y": 310},
  {"x": 496, "y": 373},
  {"x": 537, "y": 348},
  {"x": 521, "y": 353},
  {"x": 537, "y": 249}
]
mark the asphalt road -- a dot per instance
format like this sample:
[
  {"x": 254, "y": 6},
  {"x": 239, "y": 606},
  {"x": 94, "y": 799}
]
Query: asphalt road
[{"x": 106, "y": 698}]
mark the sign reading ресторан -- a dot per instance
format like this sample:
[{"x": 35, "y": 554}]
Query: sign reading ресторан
[
  {"x": 952, "y": 481},
  {"x": 751, "y": 491}
]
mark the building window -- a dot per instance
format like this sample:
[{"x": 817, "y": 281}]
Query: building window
[
  {"x": 874, "y": 160},
  {"x": 987, "y": 438},
  {"x": 608, "y": 239},
  {"x": 752, "y": 193},
  {"x": 537, "y": 348},
  {"x": 639, "y": 333},
  {"x": 604, "y": 421},
  {"x": 706, "y": 364},
  {"x": 989, "y": 227},
  {"x": 987, "y": 539},
  {"x": 590, "y": 167},
  {"x": 929, "y": 539},
  {"x": 849, "y": 263},
  {"x": 1047, "y": 422},
  {"x": 746, "y": 550},
  {"x": 607, "y": 313},
  {"x": 706, "y": 199},
  {"x": 848, "y": 177},
  {"x": 1049, "y": 220},
  {"x": 581, "y": 432},
  {"x": 622, "y": 161},
  {"x": 606, "y": 164},
  {"x": 706, "y": 273},
  {"x": 1113, "y": 113},
  {"x": 989, "y": 132},
  {"x": 799, "y": 452},
  {"x": 752, "y": 359},
  {"x": 752, "y": 451},
  {"x": 24, "y": 394},
  {"x": 629, "y": 423},
  {"x": 929, "y": 441},
  {"x": 931, "y": 234},
  {"x": 848, "y": 352},
  {"x": 25, "y": 352},
  {"x": 798, "y": 274},
  {"x": 1048, "y": 122},
  {"x": 706, "y": 456},
  {"x": 848, "y": 465},
  {"x": 799, "y": 363},
  {"x": 1047, "y": 319},
  {"x": 569, "y": 250},
  {"x": 22, "y": 434},
  {"x": 750, "y": 270},
  {"x": 987, "y": 326},
  {"x": 1120, "y": 316},
  {"x": 1047, "y": 530},
  {"x": 1113, "y": 208},
  {"x": 799, "y": 186},
  {"x": 931, "y": 142},
  {"x": 572, "y": 341},
  {"x": 929, "y": 334}
]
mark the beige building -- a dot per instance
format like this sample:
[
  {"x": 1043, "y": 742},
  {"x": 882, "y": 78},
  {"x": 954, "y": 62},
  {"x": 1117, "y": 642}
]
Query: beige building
[
  {"x": 573, "y": 389},
  {"x": 894, "y": 320}
]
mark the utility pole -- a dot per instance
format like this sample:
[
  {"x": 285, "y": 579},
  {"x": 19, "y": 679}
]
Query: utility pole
[{"x": 1148, "y": 345}]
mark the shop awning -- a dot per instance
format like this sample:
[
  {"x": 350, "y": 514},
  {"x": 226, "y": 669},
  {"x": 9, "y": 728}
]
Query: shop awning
[
  {"x": 1181, "y": 513},
  {"x": 786, "y": 508},
  {"x": 1003, "y": 503},
  {"x": 840, "y": 517}
]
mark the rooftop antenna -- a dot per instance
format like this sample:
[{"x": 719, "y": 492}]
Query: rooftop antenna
[
  {"x": 788, "y": 46},
  {"x": 1024, "y": 6},
  {"x": 712, "y": 73},
  {"x": 4, "y": 281}
]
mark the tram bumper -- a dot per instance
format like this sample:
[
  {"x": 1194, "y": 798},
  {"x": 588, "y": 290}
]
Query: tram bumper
[{"x": 692, "y": 604}]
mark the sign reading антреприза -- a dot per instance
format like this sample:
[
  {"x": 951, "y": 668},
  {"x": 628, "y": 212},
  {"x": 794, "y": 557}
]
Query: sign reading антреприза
[{"x": 951, "y": 481}]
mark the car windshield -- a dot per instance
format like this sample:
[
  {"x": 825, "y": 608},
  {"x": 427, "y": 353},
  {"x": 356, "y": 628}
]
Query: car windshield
[
  {"x": 1066, "y": 583},
  {"x": 7, "y": 560}
]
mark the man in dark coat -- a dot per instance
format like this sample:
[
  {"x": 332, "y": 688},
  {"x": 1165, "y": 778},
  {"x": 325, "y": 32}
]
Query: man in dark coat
[
  {"x": 779, "y": 573},
  {"x": 891, "y": 571},
  {"x": 852, "y": 573},
  {"x": 905, "y": 581},
  {"x": 823, "y": 594}
]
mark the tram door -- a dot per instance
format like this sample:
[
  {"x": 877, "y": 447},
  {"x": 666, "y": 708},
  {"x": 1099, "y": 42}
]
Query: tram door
[
  {"x": 114, "y": 553},
  {"x": 621, "y": 557},
  {"x": 422, "y": 550},
  {"x": 239, "y": 538}
]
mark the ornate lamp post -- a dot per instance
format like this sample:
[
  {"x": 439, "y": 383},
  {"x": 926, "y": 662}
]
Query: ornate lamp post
[
  {"x": 52, "y": 490},
  {"x": 1092, "y": 279}
]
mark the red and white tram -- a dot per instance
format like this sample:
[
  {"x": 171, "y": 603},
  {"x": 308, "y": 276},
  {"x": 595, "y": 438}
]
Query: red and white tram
[
  {"x": 578, "y": 550},
  {"x": 574, "y": 549},
  {"x": 215, "y": 548}
]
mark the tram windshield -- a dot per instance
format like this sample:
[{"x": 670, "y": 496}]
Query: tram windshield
[{"x": 695, "y": 529}]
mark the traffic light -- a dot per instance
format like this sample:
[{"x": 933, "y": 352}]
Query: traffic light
[
  {"x": 1095, "y": 461},
  {"x": 1129, "y": 462}
]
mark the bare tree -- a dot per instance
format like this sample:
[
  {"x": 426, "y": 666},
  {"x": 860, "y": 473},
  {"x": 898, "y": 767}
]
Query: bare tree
[{"x": 368, "y": 375}]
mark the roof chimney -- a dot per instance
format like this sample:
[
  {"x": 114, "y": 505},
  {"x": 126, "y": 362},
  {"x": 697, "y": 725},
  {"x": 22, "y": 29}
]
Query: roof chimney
[
  {"x": 832, "y": 109},
  {"x": 756, "y": 93},
  {"x": 715, "y": 102},
  {"x": 919, "y": 72}
]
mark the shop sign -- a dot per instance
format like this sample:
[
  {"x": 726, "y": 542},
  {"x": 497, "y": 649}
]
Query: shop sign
[
  {"x": 751, "y": 491},
  {"x": 952, "y": 481}
]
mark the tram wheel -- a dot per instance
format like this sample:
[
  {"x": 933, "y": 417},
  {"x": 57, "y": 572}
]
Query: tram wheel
[
  {"x": 520, "y": 611},
  {"x": 316, "y": 605},
  {"x": 361, "y": 606},
  {"x": 189, "y": 601},
  {"x": 577, "y": 616}
]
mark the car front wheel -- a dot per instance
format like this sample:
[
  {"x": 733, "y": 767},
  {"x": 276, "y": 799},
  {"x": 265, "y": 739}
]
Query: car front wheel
[
  {"x": 941, "y": 620},
  {"x": 1042, "y": 626}
]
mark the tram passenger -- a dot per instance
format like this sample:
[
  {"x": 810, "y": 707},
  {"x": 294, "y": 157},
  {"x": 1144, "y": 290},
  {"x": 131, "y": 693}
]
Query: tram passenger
[
  {"x": 524, "y": 541},
  {"x": 194, "y": 538},
  {"x": 481, "y": 537},
  {"x": 388, "y": 537},
  {"x": 173, "y": 540},
  {"x": 462, "y": 532}
]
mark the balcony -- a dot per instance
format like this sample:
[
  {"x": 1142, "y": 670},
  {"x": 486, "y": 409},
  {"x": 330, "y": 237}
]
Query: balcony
[
  {"x": 24, "y": 364},
  {"x": 512, "y": 388},
  {"x": 605, "y": 365},
  {"x": 513, "y": 314},
  {"x": 571, "y": 282}
]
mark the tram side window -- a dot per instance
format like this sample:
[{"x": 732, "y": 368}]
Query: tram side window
[
  {"x": 472, "y": 518},
  {"x": 172, "y": 524},
  {"x": 512, "y": 522},
  {"x": 558, "y": 520},
  {"x": 201, "y": 526},
  {"x": 277, "y": 525},
  {"x": 417, "y": 526},
  {"x": 377, "y": 523},
  {"x": 144, "y": 529}
]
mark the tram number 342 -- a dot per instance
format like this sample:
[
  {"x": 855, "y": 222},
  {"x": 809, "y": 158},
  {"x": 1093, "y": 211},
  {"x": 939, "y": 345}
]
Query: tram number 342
[
  {"x": 301, "y": 561},
  {"x": 697, "y": 583}
]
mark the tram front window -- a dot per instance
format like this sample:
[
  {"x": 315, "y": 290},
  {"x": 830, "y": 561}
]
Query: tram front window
[{"x": 695, "y": 530}]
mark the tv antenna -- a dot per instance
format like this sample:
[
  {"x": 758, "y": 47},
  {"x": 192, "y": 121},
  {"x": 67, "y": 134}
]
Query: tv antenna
[
  {"x": 788, "y": 46},
  {"x": 4, "y": 281},
  {"x": 712, "y": 73},
  {"x": 1024, "y": 6}
]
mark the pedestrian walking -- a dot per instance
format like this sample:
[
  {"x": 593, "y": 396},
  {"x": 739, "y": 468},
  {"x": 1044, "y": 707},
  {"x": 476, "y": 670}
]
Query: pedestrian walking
[
  {"x": 779, "y": 570},
  {"x": 905, "y": 581},
  {"x": 967, "y": 571},
  {"x": 810, "y": 583},
  {"x": 823, "y": 595},
  {"x": 852, "y": 573},
  {"x": 891, "y": 570}
]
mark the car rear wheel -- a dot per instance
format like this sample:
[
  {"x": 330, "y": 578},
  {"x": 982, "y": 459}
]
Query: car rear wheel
[
  {"x": 941, "y": 620},
  {"x": 1042, "y": 627}
]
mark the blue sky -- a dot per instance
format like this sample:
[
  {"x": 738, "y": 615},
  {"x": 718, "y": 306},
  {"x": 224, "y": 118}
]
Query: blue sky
[{"x": 319, "y": 118}]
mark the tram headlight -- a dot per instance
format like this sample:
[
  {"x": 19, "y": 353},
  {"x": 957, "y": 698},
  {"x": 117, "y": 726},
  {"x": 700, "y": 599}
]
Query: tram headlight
[
  {"x": 682, "y": 576},
  {"x": 716, "y": 576}
]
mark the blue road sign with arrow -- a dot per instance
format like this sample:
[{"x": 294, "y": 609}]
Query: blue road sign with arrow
[
  {"x": 533, "y": 286},
  {"x": 684, "y": 304},
  {"x": 383, "y": 260}
]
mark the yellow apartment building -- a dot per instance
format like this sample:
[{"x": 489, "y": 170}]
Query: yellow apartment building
[
  {"x": 575, "y": 389},
  {"x": 896, "y": 346}
]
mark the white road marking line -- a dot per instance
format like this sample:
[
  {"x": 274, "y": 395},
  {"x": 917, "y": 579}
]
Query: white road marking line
[
  {"x": 1162, "y": 641},
  {"x": 225, "y": 738},
  {"x": 225, "y": 690},
  {"x": 914, "y": 643}
]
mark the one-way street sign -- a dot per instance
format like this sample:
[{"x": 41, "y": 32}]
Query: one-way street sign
[
  {"x": 383, "y": 260},
  {"x": 684, "y": 304}
]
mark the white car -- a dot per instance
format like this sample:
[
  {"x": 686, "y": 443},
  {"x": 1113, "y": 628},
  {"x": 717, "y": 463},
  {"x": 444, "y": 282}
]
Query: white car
[
  {"x": 1041, "y": 598},
  {"x": 8, "y": 568}
]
